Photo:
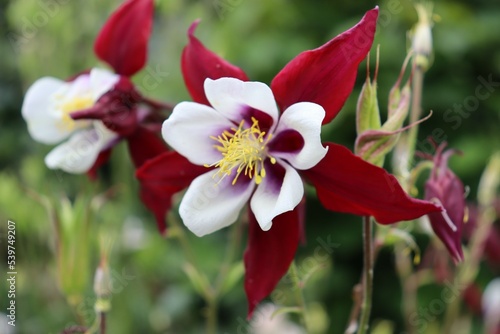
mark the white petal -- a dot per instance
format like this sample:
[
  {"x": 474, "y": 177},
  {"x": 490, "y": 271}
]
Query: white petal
[
  {"x": 102, "y": 81},
  {"x": 189, "y": 128},
  {"x": 274, "y": 197},
  {"x": 305, "y": 118},
  {"x": 39, "y": 113},
  {"x": 207, "y": 206},
  {"x": 79, "y": 153},
  {"x": 231, "y": 97}
]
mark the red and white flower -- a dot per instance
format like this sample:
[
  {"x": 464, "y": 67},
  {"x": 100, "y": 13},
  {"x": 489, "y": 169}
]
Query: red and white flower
[
  {"x": 98, "y": 108},
  {"x": 47, "y": 109},
  {"x": 251, "y": 150},
  {"x": 242, "y": 141}
]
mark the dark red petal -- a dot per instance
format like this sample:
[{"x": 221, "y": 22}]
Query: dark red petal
[
  {"x": 270, "y": 253},
  {"x": 346, "y": 183},
  {"x": 326, "y": 75},
  {"x": 143, "y": 145},
  {"x": 161, "y": 178},
  {"x": 102, "y": 158},
  {"x": 199, "y": 63},
  {"x": 123, "y": 40}
]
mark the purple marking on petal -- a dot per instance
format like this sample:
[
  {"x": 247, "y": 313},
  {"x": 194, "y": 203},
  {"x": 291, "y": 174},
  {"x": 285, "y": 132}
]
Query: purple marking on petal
[
  {"x": 265, "y": 121},
  {"x": 275, "y": 174},
  {"x": 289, "y": 141}
]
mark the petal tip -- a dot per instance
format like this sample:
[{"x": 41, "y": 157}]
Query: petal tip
[{"x": 193, "y": 27}]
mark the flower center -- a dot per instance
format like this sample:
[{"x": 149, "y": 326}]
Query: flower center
[
  {"x": 70, "y": 105},
  {"x": 243, "y": 150}
]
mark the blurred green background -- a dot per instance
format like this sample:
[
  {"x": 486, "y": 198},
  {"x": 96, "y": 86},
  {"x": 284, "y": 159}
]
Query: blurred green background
[{"x": 55, "y": 38}]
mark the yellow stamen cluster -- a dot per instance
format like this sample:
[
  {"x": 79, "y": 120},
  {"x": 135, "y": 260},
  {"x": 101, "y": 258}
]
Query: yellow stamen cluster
[
  {"x": 243, "y": 149},
  {"x": 66, "y": 107}
]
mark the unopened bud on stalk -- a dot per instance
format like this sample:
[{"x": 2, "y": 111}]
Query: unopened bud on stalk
[
  {"x": 490, "y": 182},
  {"x": 421, "y": 35},
  {"x": 102, "y": 280}
]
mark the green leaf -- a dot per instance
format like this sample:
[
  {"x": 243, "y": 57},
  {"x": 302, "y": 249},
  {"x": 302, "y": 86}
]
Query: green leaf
[
  {"x": 234, "y": 275},
  {"x": 286, "y": 310},
  {"x": 198, "y": 280}
]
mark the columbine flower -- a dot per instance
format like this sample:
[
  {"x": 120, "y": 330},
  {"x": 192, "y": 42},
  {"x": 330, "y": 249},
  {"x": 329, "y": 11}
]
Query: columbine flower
[
  {"x": 47, "y": 109},
  {"x": 243, "y": 141},
  {"x": 255, "y": 153},
  {"x": 95, "y": 109},
  {"x": 446, "y": 189}
]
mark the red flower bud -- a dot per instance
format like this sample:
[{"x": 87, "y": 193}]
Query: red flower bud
[{"x": 445, "y": 188}]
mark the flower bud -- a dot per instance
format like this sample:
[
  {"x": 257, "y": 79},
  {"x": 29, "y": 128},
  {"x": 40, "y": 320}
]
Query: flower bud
[
  {"x": 421, "y": 42},
  {"x": 367, "y": 110},
  {"x": 375, "y": 141},
  {"x": 490, "y": 182},
  {"x": 73, "y": 247},
  {"x": 445, "y": 188},
  {"x": 102, "y": 280}
]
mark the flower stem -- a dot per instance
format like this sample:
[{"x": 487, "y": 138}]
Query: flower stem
[
  {"x": 409, "y": 285},
  {"x": 416, "y": 111},
  {"x": 367, "y": 275},
  {"x": 177, "y": 231},
  {"x": 298, "y": 288},
  {"x": 211, "y": 314},
  {"x": 102, "y": 326}
]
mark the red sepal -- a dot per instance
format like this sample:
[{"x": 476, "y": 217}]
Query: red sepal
[
  {"x": 270, "y": 253},
  {"x": 123, "y": 40},
  {"x": 161, "y": 178},
  {"x": 198, "y": 63},
  {"x": 102, "y": 158},
  {"x": 326, "y": 75},
  {"x": 143, "y": 145},
  {"x": 346, "y": 183}
]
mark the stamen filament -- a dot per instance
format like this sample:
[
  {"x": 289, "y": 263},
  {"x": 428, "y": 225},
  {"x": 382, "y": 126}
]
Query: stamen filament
[{"x": 244, "y": 150}]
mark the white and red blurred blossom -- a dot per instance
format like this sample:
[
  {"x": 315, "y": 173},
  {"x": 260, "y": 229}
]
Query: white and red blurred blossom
[{"x": 46, "y": 109}]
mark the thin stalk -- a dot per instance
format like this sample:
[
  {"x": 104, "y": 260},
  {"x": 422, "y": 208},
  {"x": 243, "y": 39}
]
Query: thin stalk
[
  {"x": 298, "y": 288},
  {"x": 416, "y": 111},
  {"x": 213, "y": 297},
  {"x": 180, "y": 234},
  {"x": 409, "y": 286},
  {"x": 233, "y": 246},
  {"x": 366, "y": 305},
  {"x": 102, "y": 326},
  {"x": 211, "y": 314}
]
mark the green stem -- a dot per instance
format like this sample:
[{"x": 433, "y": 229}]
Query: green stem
[
  {"x": 367, "y": 275},
  {"x": 416, "y": 111},
  {"x": 178, "y": 231},
  {"x": 235, "y": 236},
  {"x": 298, "y": 288},
  {"x": 409, "y": 285},
  {"x": 211, "y": 314}
]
